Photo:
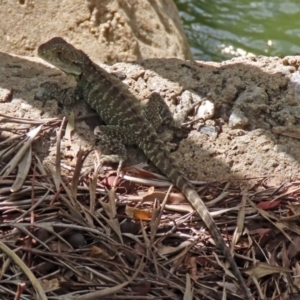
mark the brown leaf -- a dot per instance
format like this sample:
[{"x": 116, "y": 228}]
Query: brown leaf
[
  {"x": 122, "y": 185},
  {"x": 174, "y": 198},
  {"x": 59, "y": 247},
  {"x": 261, "y": 231},
  {"x": 294, "y": 247},
  {"x": 141, "y": 288},
  {"x": 98, "y": 252},
  {"x": 136, "y": 213},
  {"x": 191, "y": 264},
  {"x": 268, "y": 205},
  {"x": 263, "y": 269},
  {"x": 49, "y": 285},
  {"x": 296, "y": 273},
  {"x": 140, "y": 249},
  {"x": 70, "y": 128},
  {"x": 139, "y": 172}
]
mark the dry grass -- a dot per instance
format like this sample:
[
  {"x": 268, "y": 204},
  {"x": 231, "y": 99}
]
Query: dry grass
[{"x": 77, "y": 235}]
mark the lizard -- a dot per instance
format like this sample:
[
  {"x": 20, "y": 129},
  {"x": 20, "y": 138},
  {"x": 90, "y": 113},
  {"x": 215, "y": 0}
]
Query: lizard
[{"x": 127, "y": 123}]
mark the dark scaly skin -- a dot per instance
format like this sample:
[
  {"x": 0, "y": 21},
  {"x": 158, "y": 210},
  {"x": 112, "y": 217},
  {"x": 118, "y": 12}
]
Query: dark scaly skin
[{"x": 122, "y": 111}]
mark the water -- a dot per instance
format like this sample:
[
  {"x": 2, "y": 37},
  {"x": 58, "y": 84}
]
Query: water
[{"x": 220, "y": 29}]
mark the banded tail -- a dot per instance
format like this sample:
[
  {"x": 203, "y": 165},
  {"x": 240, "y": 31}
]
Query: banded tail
[{"x": 160, "y": 156}]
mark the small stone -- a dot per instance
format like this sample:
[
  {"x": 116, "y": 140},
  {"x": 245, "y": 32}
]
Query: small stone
[
  {"x": 186, "y": 98},
  {"x": 237, "y": 119},
  {"x": 5, "y": 95},
  {"x": 26, "y": 106},
  {"x": 206, "y": 110},
  {"x": 196, "y": 98},
  {"x": 209, "y": 130},
  {"x": 76, "y": 240}
]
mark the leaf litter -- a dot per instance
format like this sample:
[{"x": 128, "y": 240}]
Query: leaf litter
[{"x": 81, "y": 235}]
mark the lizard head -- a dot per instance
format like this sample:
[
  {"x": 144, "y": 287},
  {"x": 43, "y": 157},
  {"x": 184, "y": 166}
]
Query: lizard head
[{"x": 62, "y": 55}]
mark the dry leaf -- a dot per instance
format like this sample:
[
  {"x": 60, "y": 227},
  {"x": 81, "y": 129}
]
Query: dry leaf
[
  {"x": 122, "y": 185},
  {"x": 294, "y": 247},
  {"x": 188, "y": 293},
  {"x": 97, "y": 252},
  {"x": 139, "y": 172},
  {"x": 261, "y": 231},
  {"x": 296, "y": 275},
  {"x": 141, "y": 288},
  {"x": 174, "y": 198},
  {"x": 140, "y": 249},
  {"x": 190, "y": 262},
  {"x": 267, "y": 205},
  {"x": 164, "y": 250},
  {"x": 59, "y": 247},
  {"x": 263, "y": 269},
  {"x": 50, "y": 285},
  {"x": 70, "y": 128},
  {"x": 136, "y": 213}
]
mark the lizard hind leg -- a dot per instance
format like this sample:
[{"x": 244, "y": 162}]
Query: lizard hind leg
[{"x": 156, "y": 111}]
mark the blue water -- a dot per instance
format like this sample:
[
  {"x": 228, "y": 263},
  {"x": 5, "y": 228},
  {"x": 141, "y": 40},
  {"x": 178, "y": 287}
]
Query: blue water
[{"x": 221, "y": 29}]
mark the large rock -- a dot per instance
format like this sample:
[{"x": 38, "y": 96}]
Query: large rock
[
  {"x": 109, "y": 30},
  {"x": 252, "y": 128}
]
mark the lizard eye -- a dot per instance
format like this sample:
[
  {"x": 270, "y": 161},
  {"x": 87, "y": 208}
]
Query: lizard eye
[{"x": 58, "y": 53}]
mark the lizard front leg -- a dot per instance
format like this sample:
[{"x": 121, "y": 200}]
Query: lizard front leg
[
  {"x": 49, "y": 90},
  {"x": 112, "y": 140}
]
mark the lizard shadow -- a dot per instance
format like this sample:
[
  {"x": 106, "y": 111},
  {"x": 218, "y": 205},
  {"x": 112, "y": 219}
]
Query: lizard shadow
[
  {"x": 232, "y": 155},
  {"x": 256, "y": 110}
]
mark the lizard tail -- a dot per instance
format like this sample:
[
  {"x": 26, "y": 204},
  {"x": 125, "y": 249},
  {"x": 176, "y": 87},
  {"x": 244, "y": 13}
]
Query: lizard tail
[{"x": 160, "y": 156}]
